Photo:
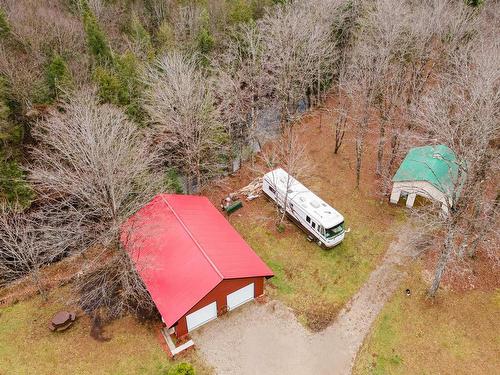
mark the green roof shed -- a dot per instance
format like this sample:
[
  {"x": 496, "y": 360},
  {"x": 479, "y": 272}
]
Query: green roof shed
[{"x": 435, "y": 164}]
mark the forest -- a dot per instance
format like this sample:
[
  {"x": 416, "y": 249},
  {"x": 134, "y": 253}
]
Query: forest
[{"x": 105, "y": 103}]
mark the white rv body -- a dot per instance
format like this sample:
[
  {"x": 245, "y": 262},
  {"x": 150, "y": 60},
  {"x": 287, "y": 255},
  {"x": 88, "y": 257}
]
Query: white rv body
[{"x": 310, "y": 212}]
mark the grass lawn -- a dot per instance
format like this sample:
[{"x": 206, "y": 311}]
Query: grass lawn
[
  {"x": 28, "y": 347},
  {"x": 317, "y": 282},
  {"x": 458, "y": 333}
]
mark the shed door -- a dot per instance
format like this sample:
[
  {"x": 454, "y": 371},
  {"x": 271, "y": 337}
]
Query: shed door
[
  {"x": 201, "y": 316},
  {"x": 240, "y": 297}
]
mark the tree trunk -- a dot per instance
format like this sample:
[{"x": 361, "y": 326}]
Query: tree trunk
[
  {"x": 339, "y": 133},
  {"x": 441, "y": 266},
  {"x": 319, "y": 84},
  {"x": 359, "y": 153},
  {"x": 394, "y": 150},
  {"x": 381, "y": 144},
  {"x": 35, "y": 274}
]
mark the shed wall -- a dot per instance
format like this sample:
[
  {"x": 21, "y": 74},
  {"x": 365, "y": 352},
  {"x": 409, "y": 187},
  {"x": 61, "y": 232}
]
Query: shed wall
[{"x": 422, "y": 188}]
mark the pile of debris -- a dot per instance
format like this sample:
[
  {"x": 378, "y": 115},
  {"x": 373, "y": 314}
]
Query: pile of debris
[
  {"x": 233, "y": 203},
  {"x": 252, "y": 190}
]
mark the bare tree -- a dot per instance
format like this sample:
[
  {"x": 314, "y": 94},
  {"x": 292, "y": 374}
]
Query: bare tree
[
  {"x": 363, "y": 87},
  {"x": 298, "y": 54},
  {"x": 432, "y": 32},
  {"x": 21, "y": 251},
  {"x": 384, "y": 32},
  {"x": 92, "y": 169},
  {"x": 241, "y": 86},
  {"x": 36, "y": 29},
  {"x": 180, "y": 105},
  {"x": 464, "y": 113},
  {"x": 289, "y": 153},
  {"x": 340, "y": 128}
]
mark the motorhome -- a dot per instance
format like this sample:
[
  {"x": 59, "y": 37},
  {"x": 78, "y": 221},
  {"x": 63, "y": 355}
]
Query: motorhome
[{"x": 319, "y": 220}]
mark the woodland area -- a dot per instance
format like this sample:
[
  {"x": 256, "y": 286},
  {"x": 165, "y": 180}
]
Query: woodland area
[{"x": 104, "y": 103}]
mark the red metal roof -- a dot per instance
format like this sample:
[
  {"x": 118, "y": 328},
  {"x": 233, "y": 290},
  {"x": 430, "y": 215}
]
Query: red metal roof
[{"x": 183, "y": 247}]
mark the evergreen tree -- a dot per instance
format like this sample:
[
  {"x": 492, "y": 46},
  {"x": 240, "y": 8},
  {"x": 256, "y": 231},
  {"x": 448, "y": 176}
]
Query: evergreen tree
[
  {"x": 4, "y": 24},
  {"x": 57, "y": 76},
  {"x": 96, "y": 38}
]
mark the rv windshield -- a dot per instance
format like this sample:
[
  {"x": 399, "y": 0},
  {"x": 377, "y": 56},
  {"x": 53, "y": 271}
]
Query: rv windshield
[{"x": 335, "y": 231}]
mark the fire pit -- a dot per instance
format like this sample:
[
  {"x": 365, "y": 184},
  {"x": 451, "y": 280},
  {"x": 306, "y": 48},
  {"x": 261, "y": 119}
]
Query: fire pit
[{"x": 62, "y": 321}]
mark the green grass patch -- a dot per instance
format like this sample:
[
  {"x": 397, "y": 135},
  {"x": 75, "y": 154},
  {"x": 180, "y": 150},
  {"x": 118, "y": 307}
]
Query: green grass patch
[
  {"x": 27, "y": 346},
  {"x": 457, "y": 333}
]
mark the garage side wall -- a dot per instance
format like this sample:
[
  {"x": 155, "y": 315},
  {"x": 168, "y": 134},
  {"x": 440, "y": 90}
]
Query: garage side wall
[{"x": 219, "y": 295}]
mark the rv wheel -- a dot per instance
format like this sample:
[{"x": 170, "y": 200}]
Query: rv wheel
[{"x": 320, "y": 244}]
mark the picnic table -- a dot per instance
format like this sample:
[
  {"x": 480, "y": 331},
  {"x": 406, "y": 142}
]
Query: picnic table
[{"x": 62, "y": 320}]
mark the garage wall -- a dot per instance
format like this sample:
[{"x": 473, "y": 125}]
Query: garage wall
[{"x": 219, "y": 295}]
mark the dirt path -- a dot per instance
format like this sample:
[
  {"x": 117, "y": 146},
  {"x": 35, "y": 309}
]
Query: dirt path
[{"x": 268, "y": 339}]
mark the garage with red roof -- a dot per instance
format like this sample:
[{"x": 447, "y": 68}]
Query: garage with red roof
[{"x": 192, "y": 261}]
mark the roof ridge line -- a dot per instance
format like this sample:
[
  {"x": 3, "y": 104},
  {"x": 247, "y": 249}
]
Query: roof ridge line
[{"x": 192, "y": 237}]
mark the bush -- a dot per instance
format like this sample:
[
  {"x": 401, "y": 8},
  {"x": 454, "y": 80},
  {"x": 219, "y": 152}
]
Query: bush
[
  {"x": 141, "y": 37},
  {"x": 204, "y": 40},
  {"x": 4, "y": 24},
  {"x": 110, "y": 86},
  {"x": 165, "y": 38},
  {"x": 240, "y": 11},
  {"x": 172, "y": 182},
  {"x": 181, "y": 369},
  {"x": 57, "y": 76},
  {"x": 119, "y": 84},
  {"x": 474, "y": 3},
  {"x": 10, "y": 134},
  {"x": 14, "y": 190}
]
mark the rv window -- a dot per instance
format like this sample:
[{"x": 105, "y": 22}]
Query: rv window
[
  {"x": 272, "y": 189},
  {"x": 335, "y": 231},
  {"x": 314, "y": 224},
  {"x": 308, "y": 219}
]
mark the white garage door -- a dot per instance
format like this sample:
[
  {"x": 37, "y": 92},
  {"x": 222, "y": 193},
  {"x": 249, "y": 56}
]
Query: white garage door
[
  {"x": 201, "y": 316},
  {"x": 239, "y": 297}
]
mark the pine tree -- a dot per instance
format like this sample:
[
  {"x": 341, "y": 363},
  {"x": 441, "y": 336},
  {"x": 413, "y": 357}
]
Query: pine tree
[
  {"x": 57, "y": 76},
  {"x": 96, "y": 38}
]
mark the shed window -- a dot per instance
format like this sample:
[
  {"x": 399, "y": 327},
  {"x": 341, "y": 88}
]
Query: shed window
[{"x": 308, "y": 219}]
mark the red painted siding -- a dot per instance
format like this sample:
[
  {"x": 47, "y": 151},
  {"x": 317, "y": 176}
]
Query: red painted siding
[{"x": 219, "y": 295}]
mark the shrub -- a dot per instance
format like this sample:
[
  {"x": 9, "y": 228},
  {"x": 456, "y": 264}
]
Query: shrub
[
  {"x": 14, "y": 190},
  {"x": 57, "y": 76},
  {"x": 165, "y": 38},
  {"x": 141, "y": 36},
  {"x": 10, "y": 134},
  {"x": 4, "y": 24},
  {"x": 205, "y": 40},
  {"x": 240, "y": 11},
  {"x": 173, "y": 182},
  {"x": 110, "y": 86},
  {"x": 474, "y": 3},
  {"x": 119, "y": 84},
  {"x": 181, "y": 369}
]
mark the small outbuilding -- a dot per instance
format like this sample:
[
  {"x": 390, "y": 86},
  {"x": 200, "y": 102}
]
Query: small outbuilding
[
  {"x": 192, "y": 261},
  {"x": 430, "y": 172}
]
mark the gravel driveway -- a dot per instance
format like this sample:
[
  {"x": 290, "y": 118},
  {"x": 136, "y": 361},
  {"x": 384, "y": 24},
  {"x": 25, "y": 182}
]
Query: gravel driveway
[{"x": 268, "y": 340}]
